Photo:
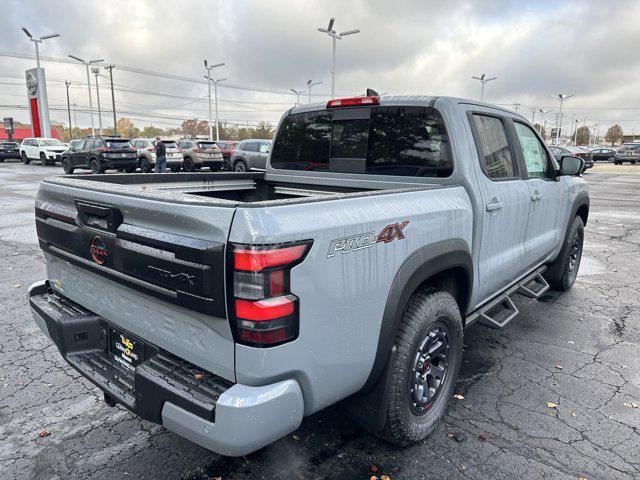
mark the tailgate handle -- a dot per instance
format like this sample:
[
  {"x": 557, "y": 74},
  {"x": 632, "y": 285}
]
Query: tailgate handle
[{"x": 101, "y": 217}]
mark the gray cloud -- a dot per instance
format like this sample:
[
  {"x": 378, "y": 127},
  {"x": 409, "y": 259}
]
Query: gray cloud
[{"x": 416, "y": 47}]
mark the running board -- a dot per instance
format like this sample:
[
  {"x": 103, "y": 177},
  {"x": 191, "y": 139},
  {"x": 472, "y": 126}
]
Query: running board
[
  {"x": 501, "y": 310},
  {"x": 534, "y": 286}
]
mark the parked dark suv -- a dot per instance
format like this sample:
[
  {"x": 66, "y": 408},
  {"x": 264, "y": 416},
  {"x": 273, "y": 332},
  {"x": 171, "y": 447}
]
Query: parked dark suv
[
  {"x": 9, "y": 149},
  {"x": 99, "y": 154}
]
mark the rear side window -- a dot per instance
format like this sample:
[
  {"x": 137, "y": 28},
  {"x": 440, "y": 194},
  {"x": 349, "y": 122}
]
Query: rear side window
[
  {"x": 251, "y": 147},
  {"x": 118, "y": 144},
  {"x": 493, "y": 147},
  {"x": 400, "y": 141},
  {"x": 89, "y": 144},
  {"x": 536, "y": 159}
]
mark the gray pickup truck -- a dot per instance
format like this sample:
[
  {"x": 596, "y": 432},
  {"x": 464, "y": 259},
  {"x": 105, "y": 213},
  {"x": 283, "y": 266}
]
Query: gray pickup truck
[{"x": 229, "y": 306}]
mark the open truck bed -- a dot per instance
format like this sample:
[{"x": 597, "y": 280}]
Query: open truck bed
[{"x": 220, "y": 189}]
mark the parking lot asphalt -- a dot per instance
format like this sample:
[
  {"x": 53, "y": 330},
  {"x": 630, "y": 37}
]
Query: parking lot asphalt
[{"x": 555, "y": 394}]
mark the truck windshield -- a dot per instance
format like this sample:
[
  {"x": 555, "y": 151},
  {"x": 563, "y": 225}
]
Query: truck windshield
[{"x": 403, "y": 141}]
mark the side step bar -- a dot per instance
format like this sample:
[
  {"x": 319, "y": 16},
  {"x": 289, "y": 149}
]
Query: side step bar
[{"x": 501, "y": 310}]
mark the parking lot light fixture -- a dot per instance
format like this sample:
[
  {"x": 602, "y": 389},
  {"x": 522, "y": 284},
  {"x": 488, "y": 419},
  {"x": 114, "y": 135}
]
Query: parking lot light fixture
[
  {"x": 335, "y": 36},
  {"x": 310, "y": 84},
  {"x": 483, "y": 81},
  {"x": 297, "y": 92},
  {"x": 561, "y": 97},
  {"x": 215, "y": 87},
  {"x": 208, "y": 68},
  {"x": 96, "y": 72},
  {"x": 37, "y": 41},
  {"x": 86, "y": 64}
]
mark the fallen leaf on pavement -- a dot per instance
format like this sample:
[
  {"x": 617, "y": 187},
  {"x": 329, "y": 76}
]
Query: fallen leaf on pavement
[
  {"x": 552, "y": 405},
  {"x": 17, "y": 285},
  {"x": 457, "y": 396},
  {"x": 296, "y": 437},
  {"x": 373, "y": 477},
  {"x": 559, "y": 367},
  {"x": 374, "y": 468},
  {"x": 631, "y": 405},
  {"x": 482, "y": 438},
  {"x": 44, "y": 433},
  {"x": 384, "y": 477},
  {"x": 450, "y": 434},
  {"x": 199, "y": 375}
]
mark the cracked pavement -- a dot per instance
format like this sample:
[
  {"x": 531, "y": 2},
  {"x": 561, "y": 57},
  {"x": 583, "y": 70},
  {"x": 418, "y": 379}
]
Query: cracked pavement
[{"x": 579, "y": 350}]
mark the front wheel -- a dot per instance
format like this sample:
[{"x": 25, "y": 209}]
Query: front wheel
[
  {"x": 563, "y": 272},
  {"x": 240, "y": 166},
  {"x": 426, "y": 366},
  {"x": 66, "y": 166},
  {"x": 24, "y": 158}
]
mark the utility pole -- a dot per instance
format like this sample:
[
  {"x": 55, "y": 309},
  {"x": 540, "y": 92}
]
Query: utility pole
[
  {"x": 113, "y": 99},
  {"x": 96, "y": 72},
  {"x": 215, "y": 91},
  {"x": 66, "y": 84},
  {"x": 575, "y": 133},
  {"x": 208, "y": 68},
  {"x": 75, "y": 118},
  {"x": 533, "y": 115},
  {"x": 86, "y": 64},
  {"x": 309, "y": 85},
  {"x": 516, "y": 106},
  {"x": 483, "y": 81},
  {"x": 335, "y": 36}
]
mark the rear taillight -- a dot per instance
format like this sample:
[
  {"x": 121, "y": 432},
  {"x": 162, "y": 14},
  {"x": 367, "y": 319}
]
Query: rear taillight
[
  {"x": 263, "y": 310},
  {"x": 151, "y": 149}
]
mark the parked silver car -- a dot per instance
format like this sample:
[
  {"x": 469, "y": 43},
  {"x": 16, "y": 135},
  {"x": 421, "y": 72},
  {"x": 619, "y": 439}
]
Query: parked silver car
[
  {"x": 200, "y": 153},
  {"x": 146, "y": 151},
  {"x": 250, "y": 154}
]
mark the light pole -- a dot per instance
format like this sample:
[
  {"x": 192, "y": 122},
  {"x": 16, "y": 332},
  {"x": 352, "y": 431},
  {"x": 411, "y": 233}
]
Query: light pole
[
  {"x": 543, "y": 112},
  {"x": 208, "y": 68},
  {"x": 113, "y": 99},
  {"x": 516, "y": 106},
  {"x": 96, "y": 72},
  {"x": 561, "y": 97},
  {"x": 86, "y": 64},
  {"x": 335, "y": 36},
  {"x": 75, "y": 118},
  {"x": 297, "y": 92},
  {"x": 311, "y": 84},
  {"x": 66, "y": 84},
  {"x": 484, "y": 80},
  {"x": 38, "y": 40}
]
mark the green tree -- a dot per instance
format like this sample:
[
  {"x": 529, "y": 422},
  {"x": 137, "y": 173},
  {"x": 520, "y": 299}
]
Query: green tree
[
  {"x": 614, "y": 134},
  {"x": 264, "y": 130},
  {"x": 150, "y": 131},
  {"x": 582, "y": 136}
]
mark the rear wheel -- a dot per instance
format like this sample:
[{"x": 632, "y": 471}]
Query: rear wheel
[
  {"x": 24, "y": 158},
  {"x": 95, "y": 166},
  {"x": 188, "y": 164},
  {"x": 611, "y": 159},
  {"x": 240, "y": 166},
  {"x": 426, "y": 366},
  {"x": 66, "y": 166},
  {"x": 145, "y": 166}
]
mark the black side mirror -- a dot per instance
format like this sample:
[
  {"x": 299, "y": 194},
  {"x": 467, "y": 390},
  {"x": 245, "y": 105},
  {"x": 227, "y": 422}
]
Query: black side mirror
[{"x": 570, "y": 165}]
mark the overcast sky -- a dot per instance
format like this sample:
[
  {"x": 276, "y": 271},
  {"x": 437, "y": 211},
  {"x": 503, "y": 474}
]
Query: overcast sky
[{"x": 585, "y": 47}]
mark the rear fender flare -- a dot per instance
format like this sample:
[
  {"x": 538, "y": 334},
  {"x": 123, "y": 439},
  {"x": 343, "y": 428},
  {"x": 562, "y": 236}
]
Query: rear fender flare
[{"x": 421, "y": 265}]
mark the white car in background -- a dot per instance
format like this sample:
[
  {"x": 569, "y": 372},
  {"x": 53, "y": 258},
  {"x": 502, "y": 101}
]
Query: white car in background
[{"x": 47, "y": 150}]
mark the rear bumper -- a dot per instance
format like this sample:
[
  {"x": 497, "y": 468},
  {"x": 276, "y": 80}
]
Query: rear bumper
[
  {"x": 6, "y": 155},
  {"x": 230, "y": 419},
  {"x": 119, "y": 163}
]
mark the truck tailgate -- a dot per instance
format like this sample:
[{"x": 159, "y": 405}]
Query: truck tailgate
[{"x": 129, "y": 260}]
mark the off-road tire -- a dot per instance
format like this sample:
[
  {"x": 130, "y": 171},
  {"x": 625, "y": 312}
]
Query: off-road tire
[
  {"x": 23, "y": 157},
  {"x": 66, "y": 166},
  {"x": 425, "y": 309},
  {"x": 569, "y": 259}
]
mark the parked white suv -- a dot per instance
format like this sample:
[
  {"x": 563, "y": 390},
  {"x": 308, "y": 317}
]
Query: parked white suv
[
  {"x": 146, "y": 151},
  {"x": 47, "y": 150}
]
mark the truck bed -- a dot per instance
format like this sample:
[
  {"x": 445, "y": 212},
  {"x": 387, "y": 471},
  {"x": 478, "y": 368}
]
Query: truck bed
[{"x": 220, "y": 189}]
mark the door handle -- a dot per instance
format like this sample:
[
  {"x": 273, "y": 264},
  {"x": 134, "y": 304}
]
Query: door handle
[
  {"x": 492, "y": 207},
  {"x": 536, "y": 196}
]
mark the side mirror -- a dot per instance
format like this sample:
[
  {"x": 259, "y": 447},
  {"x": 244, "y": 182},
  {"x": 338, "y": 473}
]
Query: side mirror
[{"x": 570, "y": 165}]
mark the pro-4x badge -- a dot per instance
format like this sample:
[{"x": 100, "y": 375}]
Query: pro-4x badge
[{"x": 366, "y": 240}]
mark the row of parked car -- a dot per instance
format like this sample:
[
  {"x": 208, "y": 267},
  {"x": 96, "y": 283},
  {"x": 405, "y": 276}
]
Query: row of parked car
[
  {"x": 101, "y": 153},
  {"x": 627, "y": 152}
]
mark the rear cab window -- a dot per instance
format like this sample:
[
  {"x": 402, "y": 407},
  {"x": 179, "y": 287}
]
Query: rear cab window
[
  {"x": 494, "y": 152},
  {"x": 379, "y": 140}
]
